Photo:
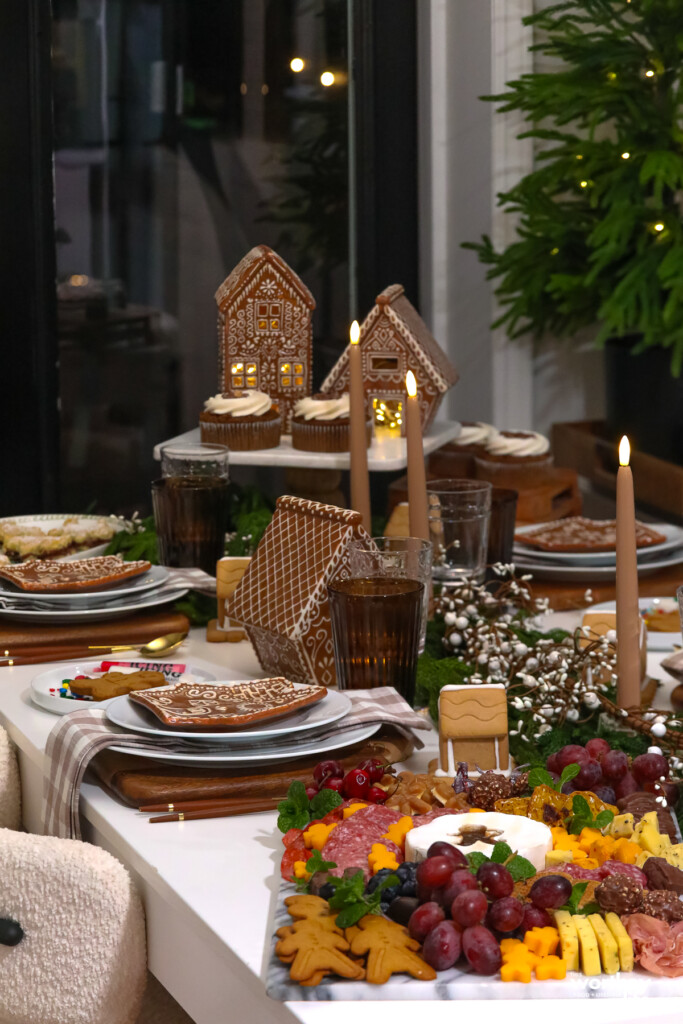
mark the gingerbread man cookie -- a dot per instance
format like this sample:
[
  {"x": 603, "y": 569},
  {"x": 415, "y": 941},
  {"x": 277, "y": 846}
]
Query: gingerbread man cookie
[{"x": 114, "y": 684}]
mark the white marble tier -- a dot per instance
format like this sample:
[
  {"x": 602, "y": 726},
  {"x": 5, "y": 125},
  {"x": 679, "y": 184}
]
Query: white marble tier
[{"x": 383, "y": 456}]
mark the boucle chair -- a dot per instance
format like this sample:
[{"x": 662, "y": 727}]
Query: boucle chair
[{"x": 72, "y": 929}]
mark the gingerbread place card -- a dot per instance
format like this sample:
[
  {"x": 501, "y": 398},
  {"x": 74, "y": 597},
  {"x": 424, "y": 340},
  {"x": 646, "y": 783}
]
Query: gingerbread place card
[
  {"x": 282, "y": 598},
  {"x": 473, "y": 727}
]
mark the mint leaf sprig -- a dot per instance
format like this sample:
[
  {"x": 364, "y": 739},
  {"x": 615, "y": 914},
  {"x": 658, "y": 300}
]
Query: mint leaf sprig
[
  {"x": 519, "y": 867},
  {"x": 314, "y": 864},
  {"x": 582, "y": 816},
  {"x": 572, "y": 904},
  {"x": 297, "y": 811},
  {"x": 350, "y": 899},
  {"x": 540, "y": 777}
]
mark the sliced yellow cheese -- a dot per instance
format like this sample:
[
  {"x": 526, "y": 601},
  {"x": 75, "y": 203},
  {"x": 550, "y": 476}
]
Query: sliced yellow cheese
[
  {"x": 623, "y": 939},
  {"x": 622, "y": 826},
  {"x": 607, "y": 944},
  {"x": 589, "y": 952},
  {"x": 555, "y": 857},
  {"x": 569, "y": 940}
]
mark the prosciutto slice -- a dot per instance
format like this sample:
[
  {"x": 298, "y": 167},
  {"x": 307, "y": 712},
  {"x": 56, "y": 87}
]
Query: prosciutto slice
[{"x": 658, "y": 946}]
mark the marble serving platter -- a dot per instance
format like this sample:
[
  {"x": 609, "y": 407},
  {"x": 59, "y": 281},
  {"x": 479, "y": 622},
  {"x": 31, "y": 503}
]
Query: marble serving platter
[{"x": 456, "y": 983}]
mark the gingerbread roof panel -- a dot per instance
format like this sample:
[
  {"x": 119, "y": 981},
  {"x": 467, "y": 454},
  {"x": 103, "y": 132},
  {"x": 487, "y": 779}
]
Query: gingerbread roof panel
[
  {"x": 300, "y": 553},
  {"x": 239, "y": 277}
]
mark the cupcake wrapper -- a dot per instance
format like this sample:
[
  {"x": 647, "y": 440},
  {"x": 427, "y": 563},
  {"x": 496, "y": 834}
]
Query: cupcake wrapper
[
  {"x": 243, "y": 437},
  {"x": 323, "y": 436}
]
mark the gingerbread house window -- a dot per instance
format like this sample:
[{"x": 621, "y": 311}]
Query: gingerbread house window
[
  {"x": 384, "y": 363},
  {"x": 292, "y": 375},
  {"x": 268, "y": 316},
  {"x": 244, "y": 374}
]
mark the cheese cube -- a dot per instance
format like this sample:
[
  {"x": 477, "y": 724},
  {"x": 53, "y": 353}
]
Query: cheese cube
[
  {"x": 607, "y": 944},
  {"x": 555, "y": 857},
  {"x": 588, "y": 946},
  {"x": 569, "y": 940},
  {"x": 622, "y": 826},
  {"x": 623, "y": 939}
]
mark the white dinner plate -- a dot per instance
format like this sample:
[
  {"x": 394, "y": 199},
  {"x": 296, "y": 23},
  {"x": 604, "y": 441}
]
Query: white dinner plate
[
  {"x": 130, "y": 715},
  {"x": 50, "y": 520},
  {"x": 43, "y": 684},
  {"x": 92, "y": 597},
  {"x": 655, "y": 641},
  {"x": 592, "y": 573},
  {"x": 264, "y": 750},
  {"x": 673, "y": 534},
  {"x": 117, "y": 609}
]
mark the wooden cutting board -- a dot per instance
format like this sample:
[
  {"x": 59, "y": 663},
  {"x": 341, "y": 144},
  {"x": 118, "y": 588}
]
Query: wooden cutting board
[{"x": 23, "y": 637}]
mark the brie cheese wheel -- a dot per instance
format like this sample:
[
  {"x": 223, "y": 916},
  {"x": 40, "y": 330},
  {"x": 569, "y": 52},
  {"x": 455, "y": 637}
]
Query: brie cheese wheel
[{"x": 530, "y": 839}]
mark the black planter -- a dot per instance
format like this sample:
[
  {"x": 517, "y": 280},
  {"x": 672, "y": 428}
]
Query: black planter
[{"x": 643, "y": 400}]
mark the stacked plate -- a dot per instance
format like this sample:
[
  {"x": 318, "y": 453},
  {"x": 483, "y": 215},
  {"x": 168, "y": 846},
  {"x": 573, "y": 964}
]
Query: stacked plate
[
  {"x": 591, "y": 566},
  {"x": 312, "y": 730},
  {"x": 108, "y": 600}
]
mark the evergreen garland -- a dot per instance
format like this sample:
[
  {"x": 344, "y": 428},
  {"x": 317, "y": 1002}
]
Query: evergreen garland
[{"x": 600, "y": 236}]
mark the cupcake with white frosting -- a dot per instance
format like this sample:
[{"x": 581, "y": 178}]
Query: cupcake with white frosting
[
  {"x": 515, "y": 458},
  {"x": 244, "y": 421},
  {"x": 458, "y": 456},
  {"x": 320, "y": 423}
]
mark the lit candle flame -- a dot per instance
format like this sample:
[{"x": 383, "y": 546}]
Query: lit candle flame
[
  {"x": 354, "y": 333},
  {"x": 624, "y": 451},
  {"x": 411, "y": 384}
]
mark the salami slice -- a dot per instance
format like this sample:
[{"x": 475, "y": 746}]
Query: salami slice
[
  {"x": 351, "y": 841},
  {"x": 424, "y": 819}
]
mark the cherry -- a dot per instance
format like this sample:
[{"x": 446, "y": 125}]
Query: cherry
[
  {"x": 327, "y": 770},
  {"x": 356, "y": 784},
  {"x": 336, "y": 784},
  {"x": 311, "y": 791},
  {"x": 373, "y": 768},
  {"x": 376, "y": 795}
]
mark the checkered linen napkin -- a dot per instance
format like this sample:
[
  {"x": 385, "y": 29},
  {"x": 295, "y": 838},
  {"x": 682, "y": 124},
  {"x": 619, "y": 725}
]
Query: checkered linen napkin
[{"x": 80, "y": 735}]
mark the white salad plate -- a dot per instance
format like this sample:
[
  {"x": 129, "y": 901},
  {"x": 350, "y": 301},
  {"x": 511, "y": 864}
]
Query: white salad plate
[
  {"x": 591, "y": 573},
  {"x": 255, "y": 754},
  {"x": 50, "y": 520},
  {"x": 92, "y": 597},
  {"x": 673, "y": 534},
  {"x": 129, "y": 715},
  {"x": 45, "y": 682},
  {"x": 114, "y": 609},
  {"x": 656, "y": 641}
]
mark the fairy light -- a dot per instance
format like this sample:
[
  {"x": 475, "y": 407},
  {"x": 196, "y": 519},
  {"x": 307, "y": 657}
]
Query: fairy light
[
  {"x": 658, "y": 226},
  {"x": 297, "y": 64},
  {"x": 625, "y": 156},
  {"x": 649, "y": 73},
  {"x": 583, "y": 184},
  {"x": 327, "y": 78},
  {"x": 554, "y": 251}
]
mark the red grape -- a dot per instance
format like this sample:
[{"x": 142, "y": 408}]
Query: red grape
[
  {"x": 625, "y": 786},
  {"x": 424, "y": 919},
  {"x": 649, "y": 767},
  {"x": 552, "y": 765},
  {"x": 667, "y": 789},
  {"x": 568, "y": 787},
  {"x": 571, "y": 754},
  {"x": 328, "y": 770},
  {"x": 614, "y": 765},
  {"x": 606, "y": 794},
  {"x": 430, "y": 894},
  {"x": 589, "y": 776},
  {"x": 495, "y": 880},
  {"x": 434, "y": 871},
  {"x": 506, "y": 915},
  {"x": 550, "y": 891},
  {"x": 460, "y": 881},
  {"x": 597, "y": 747},
  {"x": 443, "y": 946},
  {"x": 336, "y": 784},
  {"x": 469, "y": 908},
  {"x": 311, "y": 791},
  {"x": 356, "y": 784},
  {"x": 444, "y": 849},
  {"x": 534, "y": 917},
  {"x": 376, "y": 795},
  {"x": 481, "y": 950},
  {"x": 373, "y": 768}
]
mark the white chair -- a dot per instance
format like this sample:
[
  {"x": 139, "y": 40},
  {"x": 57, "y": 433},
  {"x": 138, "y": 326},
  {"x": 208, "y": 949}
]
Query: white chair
[{"x": 81, "y": 955}]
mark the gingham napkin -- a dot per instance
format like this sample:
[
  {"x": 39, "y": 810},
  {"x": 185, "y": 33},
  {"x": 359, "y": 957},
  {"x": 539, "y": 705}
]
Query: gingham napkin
[{"x": 80, "y": 735}]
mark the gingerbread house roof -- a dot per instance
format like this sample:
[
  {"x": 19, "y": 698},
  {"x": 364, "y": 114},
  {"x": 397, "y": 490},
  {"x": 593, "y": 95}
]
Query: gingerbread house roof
[
  {"x": 406, "y": 320},
  {"x": 301, "y": 551},
  {"x": 249, "y": 265}
]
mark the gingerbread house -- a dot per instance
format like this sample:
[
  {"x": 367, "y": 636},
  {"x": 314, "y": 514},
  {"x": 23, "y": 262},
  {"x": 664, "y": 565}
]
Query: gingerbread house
[
  {"x": 265, "y": 335},
  {"x": 473, "y": 727},
  {"x": 393, "y": 340},
  {"x": 282, "y": 598}
]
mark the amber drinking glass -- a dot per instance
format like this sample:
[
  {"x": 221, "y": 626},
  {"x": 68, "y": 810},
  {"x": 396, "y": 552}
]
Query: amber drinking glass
[
  {"x": 376, "y": 632},
  {"x": 191, "y": 505}
]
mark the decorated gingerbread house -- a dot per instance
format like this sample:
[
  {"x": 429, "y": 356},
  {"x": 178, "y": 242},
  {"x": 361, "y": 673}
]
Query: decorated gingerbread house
[
  {"x": 265, "y": 336},
  {"x": 282, "y": 598},
  {"x": 393, "y": 340}
]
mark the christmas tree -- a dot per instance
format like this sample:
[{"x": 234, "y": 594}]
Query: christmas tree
[{"x": 600, "y": 235}]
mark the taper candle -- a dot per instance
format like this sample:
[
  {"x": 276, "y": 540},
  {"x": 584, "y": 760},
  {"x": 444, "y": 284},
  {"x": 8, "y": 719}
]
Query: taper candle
[
  {"x": 417, "y": 481},
  {"x": 360, "y": 481},
  {"x": 628, "y": 615}
]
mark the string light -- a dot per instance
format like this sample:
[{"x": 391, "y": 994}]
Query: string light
[
  {"x": 649, "y": 73},
  {"x": 583, "y": 184},
  {"x": 612, "y": 75},
  {"x": 296, "y": 64},
  {"x": 327, "y": 78},
  {"x": 554, "y": 252},
  {"x": 658, "y": 226},
  {"x": 579, "y": 156},
  {"x": 625, "y": 156}
]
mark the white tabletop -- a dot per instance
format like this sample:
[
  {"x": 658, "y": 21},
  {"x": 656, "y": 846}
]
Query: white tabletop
[
  {"x": 209, "y": 886},
  {"x": 385, "y": 456}
]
